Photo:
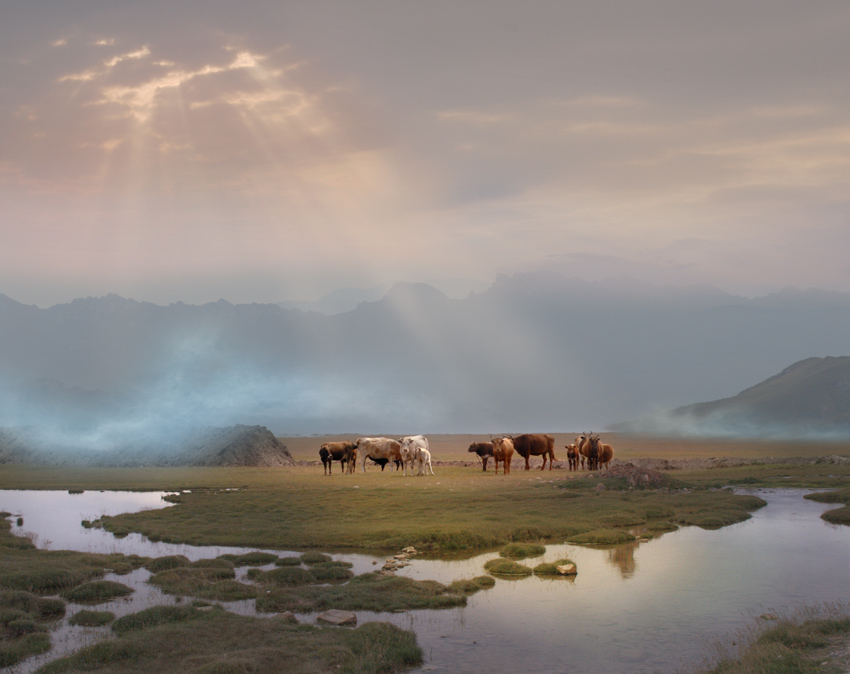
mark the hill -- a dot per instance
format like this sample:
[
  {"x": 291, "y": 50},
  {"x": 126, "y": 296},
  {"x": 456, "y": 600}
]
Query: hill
[
  {"x": 809, "y": 398},
  {"x": 231, "y": 446}
]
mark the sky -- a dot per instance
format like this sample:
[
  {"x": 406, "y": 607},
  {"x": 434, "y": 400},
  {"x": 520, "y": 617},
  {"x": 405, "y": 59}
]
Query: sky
[{"x": 264, "y": 151}]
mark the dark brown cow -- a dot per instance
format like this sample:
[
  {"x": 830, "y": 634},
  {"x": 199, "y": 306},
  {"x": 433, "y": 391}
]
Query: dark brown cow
[
  {"x": 484, "y": 451},
  {"x": 591, "y": 445},
  {"x": 344, "y": 452},
  {"x": 535, "y": 444}
]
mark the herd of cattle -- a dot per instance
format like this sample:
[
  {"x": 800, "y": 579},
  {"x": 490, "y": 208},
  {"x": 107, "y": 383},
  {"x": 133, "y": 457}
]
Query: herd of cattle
[{"x": 412, "y": 452}]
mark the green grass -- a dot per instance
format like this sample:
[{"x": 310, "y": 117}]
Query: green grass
[
  {"x": 368, "y": 592},
  {"x": 285, "y": 509},
  {"x": 97, "y": 592},
  {"x": 472, "y": 585},
  {"x": 522, "y": 550},
  {"x": 504, "y": 567},
  {"x": 810, "y": 642},
  {"x": 24, "y": 621},
  {"x": 288, "y": 561},
  {"x": 837, "y": 515},
  {"x": 251, "y": 559},
  {"x": 602, "y": 537},
  {"x": 285, "y": 576},
  {"x": 314, "y": 557},
  {"x": 91, "y": 618},
  {"x": 529, "y": 511},
  {"x": 23, "y": 567},
  {"x": 204, "y": 582},
  {"x": 217, "y": 642},
  {"x": 551, "y": 569}
]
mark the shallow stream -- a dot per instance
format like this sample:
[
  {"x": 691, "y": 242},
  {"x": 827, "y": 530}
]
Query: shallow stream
[{"x": 642, "y": 607}]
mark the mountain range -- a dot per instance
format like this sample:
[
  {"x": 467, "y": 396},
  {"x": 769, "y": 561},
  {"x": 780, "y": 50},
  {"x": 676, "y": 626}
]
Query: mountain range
[{"x": 535, "y": 351}]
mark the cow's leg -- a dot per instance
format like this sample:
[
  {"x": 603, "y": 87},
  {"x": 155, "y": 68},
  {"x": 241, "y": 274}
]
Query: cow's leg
[
  {"x": 484, "y": 460},
  {"x": 527, "y": 467}
]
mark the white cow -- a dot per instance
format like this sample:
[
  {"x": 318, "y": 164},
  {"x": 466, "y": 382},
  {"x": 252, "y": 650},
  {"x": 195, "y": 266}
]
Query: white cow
[
  {"x": 423, "y": 459},
  {"x": 409, "y": 445},
  {"x": 378, "y": 448}
]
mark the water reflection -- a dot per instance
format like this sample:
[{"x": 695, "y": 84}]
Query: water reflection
[
  {"x": 643, "y": 607},
  {"x": 623, "y": 557}
]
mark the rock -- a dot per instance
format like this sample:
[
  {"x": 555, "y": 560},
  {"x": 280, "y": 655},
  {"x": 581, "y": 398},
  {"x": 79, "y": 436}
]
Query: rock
[
  {"x": 337, "y": 617},
  {"x": 401, "y": 557},
  {"x": 600, "y": 487},
  {"x": 410, "y": 550},
  {"x": 287, "y": 617},
  {"x": 567, "y": 570}
]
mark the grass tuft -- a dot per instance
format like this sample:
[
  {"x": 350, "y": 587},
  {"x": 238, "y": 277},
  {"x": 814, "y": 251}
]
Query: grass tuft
[
  {"x": 551, "y": 569},
  {"x": 602, "y": 537},
  {"x": 251, "y": 559},
  {"x": 313, "y": 557},
  {"x": 504, "y": 567},
  {"x": 97, "y": 592},
  {"x": 522, "y": 550},
  {"x": 473, "y": 585},
  {"x": 91, "y": 618}
]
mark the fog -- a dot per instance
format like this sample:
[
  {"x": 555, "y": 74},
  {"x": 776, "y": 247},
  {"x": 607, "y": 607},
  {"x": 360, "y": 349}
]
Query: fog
[{"x": 534, "y": 352}]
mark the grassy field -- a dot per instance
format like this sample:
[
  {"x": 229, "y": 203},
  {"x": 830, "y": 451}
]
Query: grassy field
[{"x": 300, "y": 508}]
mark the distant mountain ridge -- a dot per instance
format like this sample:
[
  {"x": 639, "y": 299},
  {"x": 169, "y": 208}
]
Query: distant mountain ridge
[
  {"x": 535, "y": 351},
  {"x": 809, "y": 398}
]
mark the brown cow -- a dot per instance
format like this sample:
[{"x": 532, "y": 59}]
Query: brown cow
[
  {"x": 344, "y": 452},
  {"x": 484, "y": 451},
  {"x": 572, "y": 456},
  {"x": 535, "y": 444},
  {"x": 378, "y": 448},
  {"x": 581, "y": 446},
  {"x": 503, "y": 450},
  {"x": 606, "y": 453}
]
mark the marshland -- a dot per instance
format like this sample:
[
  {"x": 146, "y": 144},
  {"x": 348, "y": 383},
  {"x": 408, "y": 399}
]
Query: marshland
[{"x": 723, "y": 536}]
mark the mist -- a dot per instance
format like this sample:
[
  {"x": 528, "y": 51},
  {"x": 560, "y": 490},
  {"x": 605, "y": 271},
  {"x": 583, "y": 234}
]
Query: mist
[{"x": 533, "y": 353}]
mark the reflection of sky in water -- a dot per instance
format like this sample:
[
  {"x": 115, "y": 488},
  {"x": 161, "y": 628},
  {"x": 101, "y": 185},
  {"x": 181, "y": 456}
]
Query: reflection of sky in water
[{"x": 646, "y": 607}]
